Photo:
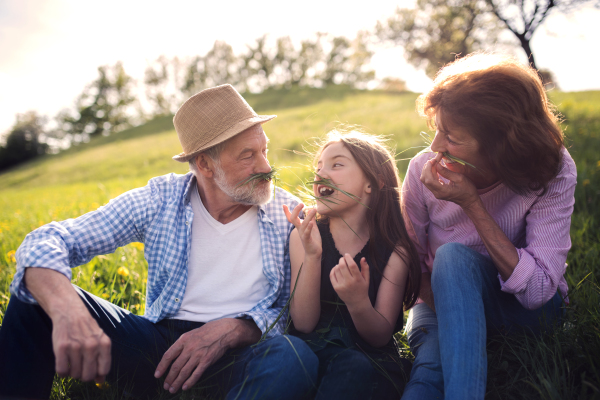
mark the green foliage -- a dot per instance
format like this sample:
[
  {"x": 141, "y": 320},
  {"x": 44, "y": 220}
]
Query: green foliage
[
  {"x": 563, "y": 364},
  {"x": 23, "y": 141},
  {"x": 102, "y": 106},
  {"x": 434, "y": 33}
]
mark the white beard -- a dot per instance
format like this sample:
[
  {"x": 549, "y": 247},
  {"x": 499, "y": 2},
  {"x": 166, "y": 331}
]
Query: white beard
[{"x": 250, "y": 194}]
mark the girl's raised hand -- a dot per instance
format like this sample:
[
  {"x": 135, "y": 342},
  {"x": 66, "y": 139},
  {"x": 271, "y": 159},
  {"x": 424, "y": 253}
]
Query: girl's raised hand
[
  {"x": 349, "y": 282},
  {"x": 459, "y": 190},
  {"x": 307, "y": 229}
]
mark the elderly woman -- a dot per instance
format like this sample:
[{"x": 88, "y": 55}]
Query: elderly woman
[{"x": 489, "y": 210}]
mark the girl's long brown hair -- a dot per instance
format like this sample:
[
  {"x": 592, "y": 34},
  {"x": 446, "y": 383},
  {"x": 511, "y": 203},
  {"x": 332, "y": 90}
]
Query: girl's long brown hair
[{"x": 384, "y": 216}]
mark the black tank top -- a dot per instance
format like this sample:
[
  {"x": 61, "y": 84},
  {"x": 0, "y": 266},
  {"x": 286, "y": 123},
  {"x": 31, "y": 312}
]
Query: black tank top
[{"x": 335, "y": 323}]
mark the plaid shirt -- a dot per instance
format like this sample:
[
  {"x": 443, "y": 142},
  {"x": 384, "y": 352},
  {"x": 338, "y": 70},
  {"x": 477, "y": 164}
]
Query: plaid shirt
[{"x": 158, "y": 215}]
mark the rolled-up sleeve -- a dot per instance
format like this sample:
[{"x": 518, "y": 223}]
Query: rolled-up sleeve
[
  {"x": 63, "y": 245},
  {"x": 541, "y": 265}
]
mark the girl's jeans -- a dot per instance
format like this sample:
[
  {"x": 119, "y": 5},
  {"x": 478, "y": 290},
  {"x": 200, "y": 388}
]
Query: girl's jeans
[{"x": 450, "y": 344}]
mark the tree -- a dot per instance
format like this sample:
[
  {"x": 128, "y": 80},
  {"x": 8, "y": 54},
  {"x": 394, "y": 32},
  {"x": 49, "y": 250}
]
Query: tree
[
  {"x": 346, "y": 61},
  {"x": 287, "y": 64},
  {"x": 162, "y": 80},
  {"x": 303, "y": 68},
  {"x": 523, "y": 17},
  {"x": 103, "y": 105},
  {"x": 219, "y": 66},
  {"x": 437, "y": 31},
  {"x": 24, "y": 141}
]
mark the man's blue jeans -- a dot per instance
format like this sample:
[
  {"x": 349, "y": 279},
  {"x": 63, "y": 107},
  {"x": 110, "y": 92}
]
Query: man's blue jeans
[
  {"x": 450, "y": 344},
  {"x": 281, "y": 367}
]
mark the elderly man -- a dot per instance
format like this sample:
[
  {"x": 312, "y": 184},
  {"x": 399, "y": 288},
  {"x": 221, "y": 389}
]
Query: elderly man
[{"x": 216, "y": 251}]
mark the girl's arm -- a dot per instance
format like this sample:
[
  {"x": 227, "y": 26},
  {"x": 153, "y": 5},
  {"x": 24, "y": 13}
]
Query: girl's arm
[
  {"x": 374, "y": 324},
  {"x": 305, "y": 259}
]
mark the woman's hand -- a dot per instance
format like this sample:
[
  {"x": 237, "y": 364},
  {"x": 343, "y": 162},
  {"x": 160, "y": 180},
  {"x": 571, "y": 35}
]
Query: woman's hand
[
  {"x": 460, "y": 190},
  {"x": 350, "y": 283},
  {"x": 307, "y": 229}
]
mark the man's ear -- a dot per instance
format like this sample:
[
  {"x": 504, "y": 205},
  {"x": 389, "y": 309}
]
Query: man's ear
[{"x": 205, "y": 165}]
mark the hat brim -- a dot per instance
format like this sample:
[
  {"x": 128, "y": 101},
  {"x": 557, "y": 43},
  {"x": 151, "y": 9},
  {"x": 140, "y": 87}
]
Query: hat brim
[{"x": 228, "y": 133}]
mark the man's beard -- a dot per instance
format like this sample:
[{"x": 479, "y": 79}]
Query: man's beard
[{"x": 251, "y": 194}]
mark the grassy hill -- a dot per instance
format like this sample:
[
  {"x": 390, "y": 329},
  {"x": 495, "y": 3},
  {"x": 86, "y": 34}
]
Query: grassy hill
[{"x": 563, "y": 365}]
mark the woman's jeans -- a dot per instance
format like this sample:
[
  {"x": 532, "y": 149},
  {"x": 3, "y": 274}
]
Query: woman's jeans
[
  {"x": 280, "y": 367},
  {"x": 450, "y": 344}
]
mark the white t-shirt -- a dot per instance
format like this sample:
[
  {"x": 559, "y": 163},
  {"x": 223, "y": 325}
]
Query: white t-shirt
[{"x": 225, "y": 270}]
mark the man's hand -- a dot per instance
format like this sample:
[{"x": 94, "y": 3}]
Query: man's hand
[
  {"x": 350, "y": 283},
  {"x": 81, "y": 348},
  {"x": 198, "y": 349},
  {"x": 460, "y": 190}
]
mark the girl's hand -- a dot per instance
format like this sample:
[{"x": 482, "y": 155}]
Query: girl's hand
[
  {"x": 350, "y": 283},
  {"x": 460, "y": 190},
  {"x": 307, "y": 229}
]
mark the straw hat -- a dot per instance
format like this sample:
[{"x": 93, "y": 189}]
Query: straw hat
[{"x": 211, "y": 117}]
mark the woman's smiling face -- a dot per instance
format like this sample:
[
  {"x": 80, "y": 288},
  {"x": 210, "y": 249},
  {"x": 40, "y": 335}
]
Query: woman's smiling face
[
  {"x": 337, "y": 164},
  {"x": 456, "y": 141}
]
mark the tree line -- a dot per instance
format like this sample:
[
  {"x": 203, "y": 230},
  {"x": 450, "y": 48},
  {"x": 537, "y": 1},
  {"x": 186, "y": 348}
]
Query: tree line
[{"x": 432, "y": 34}]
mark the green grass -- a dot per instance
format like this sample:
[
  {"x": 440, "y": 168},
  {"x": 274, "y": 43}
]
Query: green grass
[{"x": 562, "y": 365}]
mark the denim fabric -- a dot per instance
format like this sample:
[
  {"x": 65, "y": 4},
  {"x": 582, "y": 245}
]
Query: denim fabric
[
  {"x": 282, "y": 364},
  {"x": 344, "y": 374},
  {"x": 451, "y": 361}
]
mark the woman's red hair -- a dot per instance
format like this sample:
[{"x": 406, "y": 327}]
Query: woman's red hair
[{"x": 503, "y": 105}]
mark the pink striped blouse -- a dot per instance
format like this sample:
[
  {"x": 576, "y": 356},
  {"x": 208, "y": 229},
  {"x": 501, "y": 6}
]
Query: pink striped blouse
[{"x": 537, "y": 226}]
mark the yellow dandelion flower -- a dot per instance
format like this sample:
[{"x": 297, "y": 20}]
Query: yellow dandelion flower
[
  {"x": 103, "y": 385},
  {"x": 123, "y": 271},
  {"x": 586, "y": 182},
  {"x": 598, "y": 164},
  {"x": 138, "y": 245},
  {"x": 11, "y": 256},
  {"x": 105, "y": 296}
]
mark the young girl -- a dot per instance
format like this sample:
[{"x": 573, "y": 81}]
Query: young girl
[{"x": 353, "y": 267}]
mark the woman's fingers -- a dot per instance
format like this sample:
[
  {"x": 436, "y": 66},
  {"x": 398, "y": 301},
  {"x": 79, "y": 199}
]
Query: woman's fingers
[
  {"x": 446, "y": 173},
  {"x": 429, "y": 174}
]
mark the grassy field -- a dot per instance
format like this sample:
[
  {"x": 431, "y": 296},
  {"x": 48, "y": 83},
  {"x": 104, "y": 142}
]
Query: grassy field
[{"x": 561, "y": 365}]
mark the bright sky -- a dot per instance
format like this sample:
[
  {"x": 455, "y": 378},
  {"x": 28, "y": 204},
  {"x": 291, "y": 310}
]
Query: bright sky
[{"x": 49, "y": 49}]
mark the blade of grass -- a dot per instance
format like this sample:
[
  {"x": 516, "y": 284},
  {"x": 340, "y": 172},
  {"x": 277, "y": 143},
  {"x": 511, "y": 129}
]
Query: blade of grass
[{"x": 255, "y": 179}]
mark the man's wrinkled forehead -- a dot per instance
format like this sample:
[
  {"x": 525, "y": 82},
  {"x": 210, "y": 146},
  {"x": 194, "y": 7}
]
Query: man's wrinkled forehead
[{"x": 252, "y": 139}]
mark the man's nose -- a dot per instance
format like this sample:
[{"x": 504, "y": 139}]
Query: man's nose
[{"x": 263, "y": 165}]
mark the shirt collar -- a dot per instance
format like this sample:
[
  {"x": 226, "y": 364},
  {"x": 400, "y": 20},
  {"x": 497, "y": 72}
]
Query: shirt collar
[{"x": 187, "y": 194}]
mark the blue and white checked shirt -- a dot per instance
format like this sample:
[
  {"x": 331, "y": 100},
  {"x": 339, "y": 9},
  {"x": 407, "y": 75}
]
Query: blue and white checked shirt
[{"x": 160, "y": 216}]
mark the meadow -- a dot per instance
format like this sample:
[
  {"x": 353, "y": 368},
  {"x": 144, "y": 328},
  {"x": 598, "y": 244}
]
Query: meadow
[{"x": 564, "y": 364}]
